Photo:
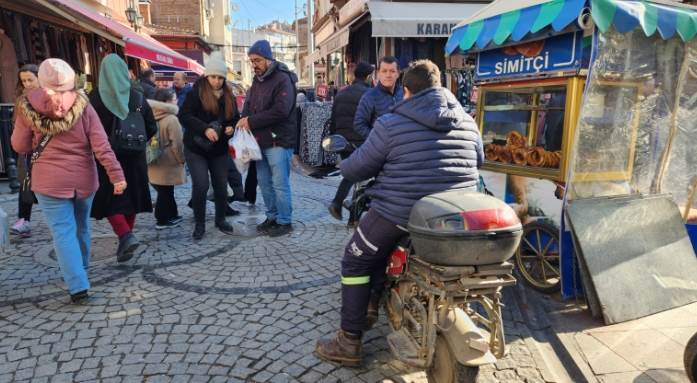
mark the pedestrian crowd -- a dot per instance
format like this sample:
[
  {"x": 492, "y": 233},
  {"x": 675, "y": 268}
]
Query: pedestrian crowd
[{"x": 97, "y": 155}]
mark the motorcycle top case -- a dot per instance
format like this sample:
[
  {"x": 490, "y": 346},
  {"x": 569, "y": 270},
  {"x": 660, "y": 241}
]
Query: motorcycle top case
[{"x": 463, "y": 228}]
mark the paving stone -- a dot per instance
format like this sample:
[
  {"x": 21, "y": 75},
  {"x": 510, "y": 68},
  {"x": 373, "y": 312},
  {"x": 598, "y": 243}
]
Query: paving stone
[{"x": 230, "y": 308}]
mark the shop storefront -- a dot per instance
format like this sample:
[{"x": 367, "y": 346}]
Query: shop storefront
[{"x": 33, "y": 30}]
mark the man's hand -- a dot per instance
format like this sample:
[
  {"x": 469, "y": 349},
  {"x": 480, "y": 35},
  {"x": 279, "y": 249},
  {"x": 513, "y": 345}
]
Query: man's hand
[
  {"x": 119, "y": 187},
  {"x": 211, "y": 135},
  {"x": 229, "y": 130},
  {"x": 243, "y": 123}
]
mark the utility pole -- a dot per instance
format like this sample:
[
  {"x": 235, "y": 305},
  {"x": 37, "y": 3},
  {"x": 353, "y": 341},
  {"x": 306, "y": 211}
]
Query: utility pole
[{"x": 310, "y": 42}]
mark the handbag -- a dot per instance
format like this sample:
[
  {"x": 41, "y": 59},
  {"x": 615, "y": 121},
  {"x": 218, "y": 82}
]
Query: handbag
[
  {"x": 203, "y": 142},
  {"x": 26, "y": 195}
]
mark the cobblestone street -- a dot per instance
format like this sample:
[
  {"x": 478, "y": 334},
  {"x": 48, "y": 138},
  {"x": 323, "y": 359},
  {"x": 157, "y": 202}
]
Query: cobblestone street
[{"x": 228, "y": 308}]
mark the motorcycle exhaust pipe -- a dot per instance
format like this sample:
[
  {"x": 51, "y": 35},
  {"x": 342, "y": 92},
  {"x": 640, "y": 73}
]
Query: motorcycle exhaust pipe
[{"x": 466, "y": 340}]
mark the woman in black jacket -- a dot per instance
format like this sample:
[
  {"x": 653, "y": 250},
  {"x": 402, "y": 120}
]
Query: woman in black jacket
[
  {"x": 209, "y": 114},
  {"x": 115, "y": 99}
]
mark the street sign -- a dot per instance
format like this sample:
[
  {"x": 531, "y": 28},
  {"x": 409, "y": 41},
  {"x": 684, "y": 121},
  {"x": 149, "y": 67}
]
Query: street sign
[{"x": 558, "y": 53}]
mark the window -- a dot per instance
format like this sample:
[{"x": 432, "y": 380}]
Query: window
[{"x": 524, "y": 126}]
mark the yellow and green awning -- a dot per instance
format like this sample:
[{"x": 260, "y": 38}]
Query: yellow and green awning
[{"x": 514, "y": 23}]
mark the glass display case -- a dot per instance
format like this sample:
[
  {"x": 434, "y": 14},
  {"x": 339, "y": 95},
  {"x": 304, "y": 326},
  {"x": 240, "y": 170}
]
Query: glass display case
[{"x": 527, "y": 126}]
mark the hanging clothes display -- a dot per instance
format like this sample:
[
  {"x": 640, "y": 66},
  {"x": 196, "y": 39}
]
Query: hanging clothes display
[
  {"x": 35, "y": 40},
  {"x": 8, "y": 70},
  {"x": 465, "y": 85},
  {"x": 315, "y": 116}
]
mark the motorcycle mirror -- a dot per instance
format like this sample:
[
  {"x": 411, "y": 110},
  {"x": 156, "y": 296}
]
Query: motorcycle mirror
[{"x": 334, "y": 143}]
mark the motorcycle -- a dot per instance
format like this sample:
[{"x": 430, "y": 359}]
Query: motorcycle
[{"x": 444, "y": 280}]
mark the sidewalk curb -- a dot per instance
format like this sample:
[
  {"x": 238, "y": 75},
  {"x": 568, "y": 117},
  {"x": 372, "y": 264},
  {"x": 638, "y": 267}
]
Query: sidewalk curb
[{"x": 555, "y": 353}]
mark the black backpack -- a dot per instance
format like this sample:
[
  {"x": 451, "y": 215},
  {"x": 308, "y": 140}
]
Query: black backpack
[{"x": 129, "y": 136}]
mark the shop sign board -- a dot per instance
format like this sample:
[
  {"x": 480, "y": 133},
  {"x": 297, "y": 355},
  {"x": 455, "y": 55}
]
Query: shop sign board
[{"x": 558, "y": 53}]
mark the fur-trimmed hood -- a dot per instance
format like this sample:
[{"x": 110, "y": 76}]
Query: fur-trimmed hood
[
  {"x": 162, "y": 109},
  {"x": 36, "y": 107}
]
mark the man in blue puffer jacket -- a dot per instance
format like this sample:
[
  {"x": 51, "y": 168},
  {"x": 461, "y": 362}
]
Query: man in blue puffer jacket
[
  {"x": 380, "y": 99},
  {"x": 426, "y": 145}
]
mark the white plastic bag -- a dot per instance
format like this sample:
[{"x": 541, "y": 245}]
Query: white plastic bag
[{"x": 244, "y": 148}]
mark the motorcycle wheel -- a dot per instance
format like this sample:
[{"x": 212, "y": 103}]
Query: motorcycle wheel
[
  {"x": 445, "y": 367},
  {"x": 690, "y": 359}
]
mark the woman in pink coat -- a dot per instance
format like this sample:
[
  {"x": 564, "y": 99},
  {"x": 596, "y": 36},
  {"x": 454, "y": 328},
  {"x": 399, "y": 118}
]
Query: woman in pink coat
[{"x": 64, "y": 174}]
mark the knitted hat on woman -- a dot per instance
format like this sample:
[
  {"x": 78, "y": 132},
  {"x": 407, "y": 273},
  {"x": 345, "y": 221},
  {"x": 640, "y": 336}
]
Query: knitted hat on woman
[
  {"x": 56, "y": 75},
  {"x": 215, "y": 65},
  {"x": 261, "y": 48}
]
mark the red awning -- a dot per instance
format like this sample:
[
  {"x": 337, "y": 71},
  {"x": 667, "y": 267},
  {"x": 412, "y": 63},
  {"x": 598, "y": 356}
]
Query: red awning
[{"x": 136, "y": 45}]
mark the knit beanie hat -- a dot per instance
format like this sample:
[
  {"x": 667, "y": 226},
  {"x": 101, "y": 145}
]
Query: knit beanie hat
[
  {"x": 215, "y": 65},
  {"x": 56, "y": 75},
  {"x": 261, "y": 48}
]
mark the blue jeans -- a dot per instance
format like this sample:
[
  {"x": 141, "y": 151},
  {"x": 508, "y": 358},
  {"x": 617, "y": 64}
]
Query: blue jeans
[
  {"x": 273, "y": 174},
  {"x": 69, "y": 222}
]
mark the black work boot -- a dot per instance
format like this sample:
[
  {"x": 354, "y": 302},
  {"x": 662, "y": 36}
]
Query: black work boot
[{"x": 344, "y": 348}]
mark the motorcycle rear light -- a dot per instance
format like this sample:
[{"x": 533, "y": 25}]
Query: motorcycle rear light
[
  {"x": 398, "y": 260},
  {"x": 476, "y": 220}
]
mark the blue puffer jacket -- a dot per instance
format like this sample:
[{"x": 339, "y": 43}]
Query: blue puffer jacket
[
  {"x": 428, "y": 144},
  {"x": 374, "y": 103}
]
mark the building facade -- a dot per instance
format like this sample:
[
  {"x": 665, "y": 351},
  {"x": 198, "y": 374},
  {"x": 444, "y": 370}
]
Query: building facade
[{"x": 348, "y": 32}]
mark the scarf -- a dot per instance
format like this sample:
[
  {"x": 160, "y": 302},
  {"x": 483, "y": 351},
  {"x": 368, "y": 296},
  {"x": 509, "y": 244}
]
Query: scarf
[{"x": 114, "y": 85}]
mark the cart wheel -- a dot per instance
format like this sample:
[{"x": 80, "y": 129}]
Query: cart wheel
[
  {"x": 445, "y": 367},
  {"x": 691, "y": 359},
  {"x": 538, "y": 257}
]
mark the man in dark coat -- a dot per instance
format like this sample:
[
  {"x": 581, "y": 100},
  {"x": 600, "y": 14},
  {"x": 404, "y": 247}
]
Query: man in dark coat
[
  {"x": 147, "y": 82},
  {"x": 269, "y": 112},
  {"x": 378, "y": 100},
  {"x": 428, "y": 144},
  {"x": 341, "y": 122},
  {"x": 181, "y": 88}
]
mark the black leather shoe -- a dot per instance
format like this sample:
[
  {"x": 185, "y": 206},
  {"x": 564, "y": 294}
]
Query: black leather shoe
[
  {"x": 335, "y": 210},
  {"x": 79, "y": 296},
  {"x": 266, "y": 225},
  {"x": 225, "y": 227},
  {"x": 199, "y": 231},
  {"x": 278, "y": 230},
  {"x": 230, "y": 212}
]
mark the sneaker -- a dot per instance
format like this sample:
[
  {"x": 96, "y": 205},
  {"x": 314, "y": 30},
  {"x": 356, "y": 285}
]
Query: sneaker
[
  {"x": 177, "y": 220},
  {"x": 278, "y": 230},
  {"x": 225, "y": 227},
  {"x": 168, "y": 225},
  {"x": 266, "y": 225},
  {"x": 22, "y": 227}
]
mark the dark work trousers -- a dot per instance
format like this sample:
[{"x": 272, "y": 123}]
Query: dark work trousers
[
  {"x": 250, "y": 184},
  {"x": 363, "y": 267},
  {"x": 165, "y": 205},
  {"x": 200, "y": 167},
  {"x": 234, "y": 179},
  {"x": 345, "y": 185}
]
